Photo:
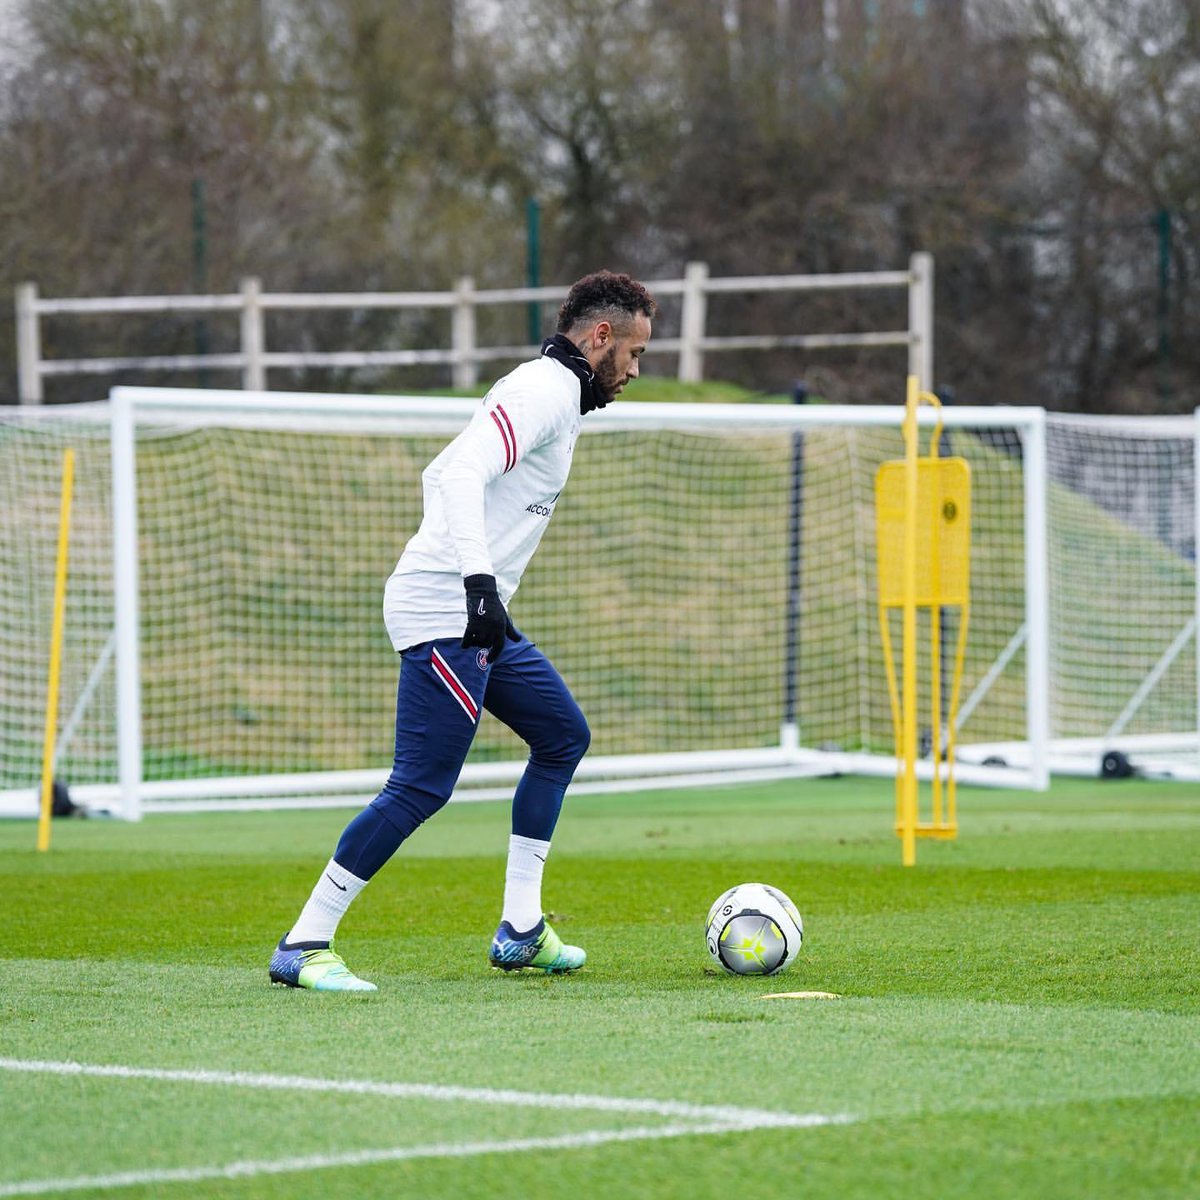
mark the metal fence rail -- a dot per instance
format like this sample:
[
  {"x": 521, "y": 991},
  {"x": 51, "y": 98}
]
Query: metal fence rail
[{"x": 464, "y": 354}]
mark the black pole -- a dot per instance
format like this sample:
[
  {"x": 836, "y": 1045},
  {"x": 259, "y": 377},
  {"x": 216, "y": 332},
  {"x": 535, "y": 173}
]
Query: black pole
[
  {"x": 200, "y": 269},
  {"x": 1162, "y": 223},
  {"x": 945, "y": 450},
  {"x": 795, "y": 563},
  {"x": 533, "y": 264}
]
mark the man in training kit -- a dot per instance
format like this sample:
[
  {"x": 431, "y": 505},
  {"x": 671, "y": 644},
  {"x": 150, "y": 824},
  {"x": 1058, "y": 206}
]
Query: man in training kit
[{"x": 488, "y": 497}]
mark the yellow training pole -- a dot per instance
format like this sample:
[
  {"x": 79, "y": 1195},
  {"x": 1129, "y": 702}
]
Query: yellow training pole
[
  {"x": 56, "y": 637},
  {"x": 922, "y": 528},
  {"x": 908, "y": 647}
]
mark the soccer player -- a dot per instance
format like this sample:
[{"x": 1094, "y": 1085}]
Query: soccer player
[{"x": 488, "y": 497}]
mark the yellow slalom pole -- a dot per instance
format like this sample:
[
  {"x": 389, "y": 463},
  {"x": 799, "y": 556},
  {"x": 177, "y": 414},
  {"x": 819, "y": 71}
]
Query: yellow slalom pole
[
  {"x": 908, "y": 648},
  {"x": 56, "y": 637}
]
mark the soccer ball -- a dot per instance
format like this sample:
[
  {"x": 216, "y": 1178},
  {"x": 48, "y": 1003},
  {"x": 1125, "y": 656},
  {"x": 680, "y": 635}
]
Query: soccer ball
[{"x": 754, "y": 929}]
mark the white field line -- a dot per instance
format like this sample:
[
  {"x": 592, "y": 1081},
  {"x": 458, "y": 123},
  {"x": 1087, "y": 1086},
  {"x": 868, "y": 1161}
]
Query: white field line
[
  {"x": 751, "y": 1117},
  {"x": 361, "y": 1158},
  {"x": 698, "y": 1120}
]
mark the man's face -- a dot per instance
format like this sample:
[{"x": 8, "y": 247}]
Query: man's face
[{"x": 615, "y": 361}]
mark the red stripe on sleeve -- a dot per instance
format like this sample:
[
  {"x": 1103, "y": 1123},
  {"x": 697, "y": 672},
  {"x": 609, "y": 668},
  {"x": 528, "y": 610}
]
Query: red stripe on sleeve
[
  {"x": 510, "y": 452},
  {"x": 511, "y": 434}
]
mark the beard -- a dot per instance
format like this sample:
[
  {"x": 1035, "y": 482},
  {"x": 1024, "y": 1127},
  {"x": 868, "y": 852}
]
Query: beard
[{"x": 608, "y": 378}]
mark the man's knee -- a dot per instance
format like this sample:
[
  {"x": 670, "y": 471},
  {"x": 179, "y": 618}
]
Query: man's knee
[
  {"x": 574, "y": 737},
  {"x": 405, "y": 806}
]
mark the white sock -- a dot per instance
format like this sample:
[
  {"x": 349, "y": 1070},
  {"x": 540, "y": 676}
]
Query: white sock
[
  {"x": 318, "y": 920},
  {"x": 523, "y": 882}
]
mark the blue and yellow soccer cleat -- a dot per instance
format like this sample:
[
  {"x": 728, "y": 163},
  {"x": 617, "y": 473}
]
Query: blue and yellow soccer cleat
[
  {"x": 540, "y": 950},
  {"x": 314, "y": 965}
]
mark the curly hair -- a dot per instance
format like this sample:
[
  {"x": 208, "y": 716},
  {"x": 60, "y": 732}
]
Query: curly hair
[{"x": 604, "y": 294}]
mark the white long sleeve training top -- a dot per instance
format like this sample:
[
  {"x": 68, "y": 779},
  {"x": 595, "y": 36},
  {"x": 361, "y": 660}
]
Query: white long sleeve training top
[{"x": 488, "y": 498}]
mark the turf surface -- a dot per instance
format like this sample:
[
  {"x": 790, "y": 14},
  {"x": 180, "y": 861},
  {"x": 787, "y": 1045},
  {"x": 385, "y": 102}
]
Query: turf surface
[{"x": 1021, "y": 1012}]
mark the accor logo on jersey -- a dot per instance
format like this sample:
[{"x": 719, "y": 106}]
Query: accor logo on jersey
[{"x": 544, "y": 509}]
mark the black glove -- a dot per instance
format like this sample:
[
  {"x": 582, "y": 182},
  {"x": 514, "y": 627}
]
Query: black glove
[{"x": 487, "y": 622}]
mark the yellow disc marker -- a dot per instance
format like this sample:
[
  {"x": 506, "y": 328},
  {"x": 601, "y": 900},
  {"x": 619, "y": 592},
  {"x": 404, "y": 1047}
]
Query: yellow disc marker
[{"x": 803, "y": 996}]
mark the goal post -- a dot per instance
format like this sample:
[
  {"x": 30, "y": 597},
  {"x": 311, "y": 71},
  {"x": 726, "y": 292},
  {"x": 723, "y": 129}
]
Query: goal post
[
  {"x": 671, "y": 521},
  {"x": 225, "y": 646},
  {"x": 1125, "y": 497}
]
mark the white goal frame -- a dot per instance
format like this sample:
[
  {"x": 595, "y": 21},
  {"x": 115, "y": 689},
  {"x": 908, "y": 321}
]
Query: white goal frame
[
  {"x": 789, "y": 758},
  {"x": 1144, "y": 717}
]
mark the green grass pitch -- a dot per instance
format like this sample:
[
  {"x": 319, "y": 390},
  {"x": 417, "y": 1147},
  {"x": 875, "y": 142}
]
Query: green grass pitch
[{"x": 1020, "y": 1012}]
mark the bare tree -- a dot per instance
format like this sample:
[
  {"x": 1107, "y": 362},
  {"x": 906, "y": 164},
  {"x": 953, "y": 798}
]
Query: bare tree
[
  {"x": 116, "y": 114},
  {"x": 583, "y": 101},
  {"x": 1114, "y": 172},
  {"x": 1043, "y": 150}
]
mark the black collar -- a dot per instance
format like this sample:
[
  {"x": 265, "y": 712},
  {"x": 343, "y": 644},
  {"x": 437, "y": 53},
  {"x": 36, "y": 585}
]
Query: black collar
[{"x": 563, "y": 350}]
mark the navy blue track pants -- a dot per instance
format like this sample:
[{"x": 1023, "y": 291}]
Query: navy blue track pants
[{"x": 441, "y": 696}]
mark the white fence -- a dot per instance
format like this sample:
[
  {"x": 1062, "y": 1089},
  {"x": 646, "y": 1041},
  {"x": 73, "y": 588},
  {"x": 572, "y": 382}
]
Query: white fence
[{"x": 464, "y": 355}]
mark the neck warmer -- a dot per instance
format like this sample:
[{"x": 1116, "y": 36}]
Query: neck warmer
[{"x": 565, "y": 351}]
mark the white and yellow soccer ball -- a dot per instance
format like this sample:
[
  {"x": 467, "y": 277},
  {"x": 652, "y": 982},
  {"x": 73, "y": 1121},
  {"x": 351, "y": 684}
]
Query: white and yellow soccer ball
[{"x": 754, "y": 929}]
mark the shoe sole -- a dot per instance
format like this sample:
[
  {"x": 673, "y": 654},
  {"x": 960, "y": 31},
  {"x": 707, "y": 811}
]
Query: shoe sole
[
  {"x": 279, "y": 981},
  {"x": 499, "y": 966}
]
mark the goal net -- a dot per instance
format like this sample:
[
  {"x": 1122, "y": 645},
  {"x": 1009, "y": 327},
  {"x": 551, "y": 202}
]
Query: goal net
[
  {"x": 707, "y": 588},
  {"x": 1124, "y": 503}
]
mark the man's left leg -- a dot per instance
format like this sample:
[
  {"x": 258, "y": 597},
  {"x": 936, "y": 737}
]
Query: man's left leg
[
  {"x": 529, "y": 696},
  {"x": 438, "y": 703}
]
